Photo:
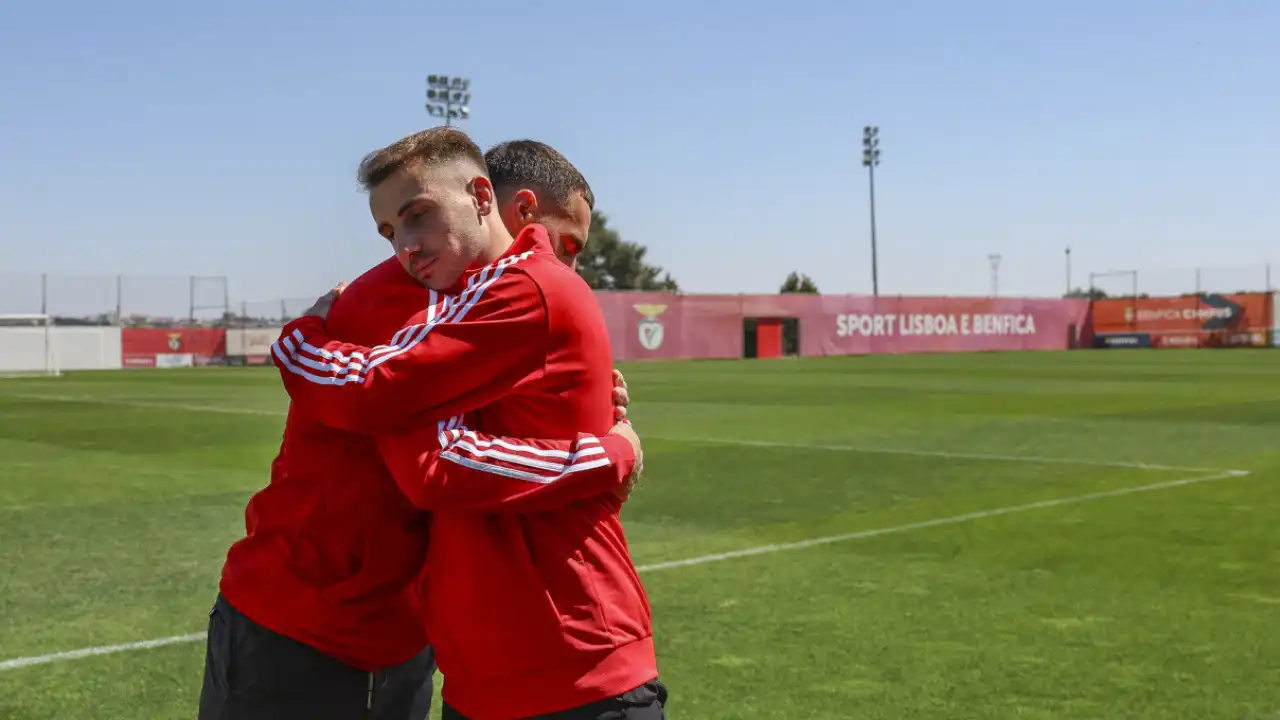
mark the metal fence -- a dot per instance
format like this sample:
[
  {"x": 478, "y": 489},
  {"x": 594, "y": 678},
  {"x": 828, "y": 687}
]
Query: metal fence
[
  {"x": 1184, "y": 281},
  {"x": 185, "y": 301},
  {"x": 268, "y": 313},
  {"x": 169, "y": 301},
  {"x": 140, "y": 301}
]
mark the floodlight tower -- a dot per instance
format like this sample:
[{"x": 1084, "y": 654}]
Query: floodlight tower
[
  {"x": 994, "y": 260},
  {"x": 448, "y": 97},
  {"x": 870, "y": 160}
]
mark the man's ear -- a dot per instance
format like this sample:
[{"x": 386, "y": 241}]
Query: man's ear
[
  {"x": 526, "y": 206},
  {"x": 482, "y": 191}
]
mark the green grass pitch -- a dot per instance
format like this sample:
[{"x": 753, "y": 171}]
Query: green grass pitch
[{"x": 876, "y": 537}]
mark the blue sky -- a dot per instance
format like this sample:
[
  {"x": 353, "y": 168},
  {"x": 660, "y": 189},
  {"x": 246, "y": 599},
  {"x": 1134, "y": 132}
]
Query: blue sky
[{"x": 162, "y": 138}]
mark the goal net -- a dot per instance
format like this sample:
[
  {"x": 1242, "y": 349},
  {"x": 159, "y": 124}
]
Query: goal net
[{"x": 27, "y": 345}]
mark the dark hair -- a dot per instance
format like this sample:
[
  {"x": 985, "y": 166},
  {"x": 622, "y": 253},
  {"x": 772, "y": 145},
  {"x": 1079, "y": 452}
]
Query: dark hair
[
  {"x": 538, "y": 166},
  {"x": 433, "y": 146}
]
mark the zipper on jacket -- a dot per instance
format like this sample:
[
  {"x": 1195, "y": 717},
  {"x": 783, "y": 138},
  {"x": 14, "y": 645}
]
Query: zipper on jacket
[{"x": 369, "y": 705}]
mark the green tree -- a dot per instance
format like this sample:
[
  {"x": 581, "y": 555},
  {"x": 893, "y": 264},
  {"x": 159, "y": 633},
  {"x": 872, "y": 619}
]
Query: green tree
[
  {"x": 611, "y": 263},
  {"x": 799, "y": 283},
  {"x": 1090, "y": 294}
]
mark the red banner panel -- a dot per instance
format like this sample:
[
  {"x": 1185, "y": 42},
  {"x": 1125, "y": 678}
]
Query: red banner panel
[
  {"x": 862, "y": 325},
  {"x": 172, "y": 347},
  {"x": 661, "y": 326},
  {"x": 1206, "y": 320}
]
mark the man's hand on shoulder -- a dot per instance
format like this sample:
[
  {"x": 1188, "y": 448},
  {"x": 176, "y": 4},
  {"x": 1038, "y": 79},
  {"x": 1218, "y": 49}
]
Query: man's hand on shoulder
[
  {"x": 325, "y": 302},
  {"x": 621, "y": 399},
  {"x": 624, "y": 429}
]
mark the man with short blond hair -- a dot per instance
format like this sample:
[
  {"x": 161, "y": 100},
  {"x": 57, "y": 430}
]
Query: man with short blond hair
[{"x": 532, "y": 614}]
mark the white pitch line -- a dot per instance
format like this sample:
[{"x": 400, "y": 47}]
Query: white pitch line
[
  {"x": 715, "y": 557},
  {"x": 221, "y": 409},
  {"x": 938, "y": 454},
  {"x": 951, "y": 520},
  {"x": 100, "y": 650}
]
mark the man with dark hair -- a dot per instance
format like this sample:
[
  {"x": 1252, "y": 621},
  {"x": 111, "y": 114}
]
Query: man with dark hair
[
  {"x": 536, "y": 184},
  {"x": 318, "y": 614},
  {"x": 532, "y": 614}
]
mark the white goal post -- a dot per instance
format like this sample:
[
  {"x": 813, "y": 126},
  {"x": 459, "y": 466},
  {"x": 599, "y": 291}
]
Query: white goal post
[{"x": 27, "y": 345}]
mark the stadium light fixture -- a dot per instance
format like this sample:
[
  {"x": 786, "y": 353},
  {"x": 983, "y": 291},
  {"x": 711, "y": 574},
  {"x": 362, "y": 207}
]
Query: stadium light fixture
[
  {"x": 448, "y": 97},
  {"x": 870, "y": 160}
]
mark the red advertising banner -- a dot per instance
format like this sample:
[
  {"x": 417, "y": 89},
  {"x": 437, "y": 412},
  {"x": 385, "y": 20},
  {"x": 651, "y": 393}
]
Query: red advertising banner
[
  {"x": 661, "y": 326},
  {"x": 861, "y": 325},
  {"x": 1206, "y": 320},
  {"x": 172, "y": 347}
]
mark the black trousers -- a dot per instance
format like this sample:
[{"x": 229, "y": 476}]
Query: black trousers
[
  {"x": 252, "y": 673},
  {"x": 643, "y": 703}
]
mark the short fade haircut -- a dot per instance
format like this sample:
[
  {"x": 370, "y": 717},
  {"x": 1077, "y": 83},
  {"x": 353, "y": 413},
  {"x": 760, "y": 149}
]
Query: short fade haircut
[
  {"x": 531, "y": 164},
  {"x": 432, "y": 147}
]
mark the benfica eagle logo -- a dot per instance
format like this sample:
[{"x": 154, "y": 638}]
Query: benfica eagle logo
[{"x": 651, "y": 330}]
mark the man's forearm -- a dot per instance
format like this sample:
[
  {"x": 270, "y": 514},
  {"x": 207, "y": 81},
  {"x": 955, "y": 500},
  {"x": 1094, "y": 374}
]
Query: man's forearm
[
  {"x": 466, "y": 351},
  {"x": 459, "y": 469}
]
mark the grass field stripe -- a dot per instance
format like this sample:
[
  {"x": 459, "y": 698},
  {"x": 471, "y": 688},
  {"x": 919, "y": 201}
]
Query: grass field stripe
[
  {"x": 222, "y": 409},
  {"x": 144, "y": 404},
  {"x": 100, "y": 650},
  {"x": 707, "y": 559},
  {"x": 952, "y": 520}
]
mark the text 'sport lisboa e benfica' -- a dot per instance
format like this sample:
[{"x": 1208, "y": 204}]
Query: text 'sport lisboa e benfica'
[{"x": 1191, "y": 321}]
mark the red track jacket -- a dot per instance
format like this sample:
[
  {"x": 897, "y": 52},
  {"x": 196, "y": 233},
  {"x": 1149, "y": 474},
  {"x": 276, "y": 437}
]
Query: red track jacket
[
  {"x": 333, "y": 550},
  {"x": 529, "y": 613}
]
